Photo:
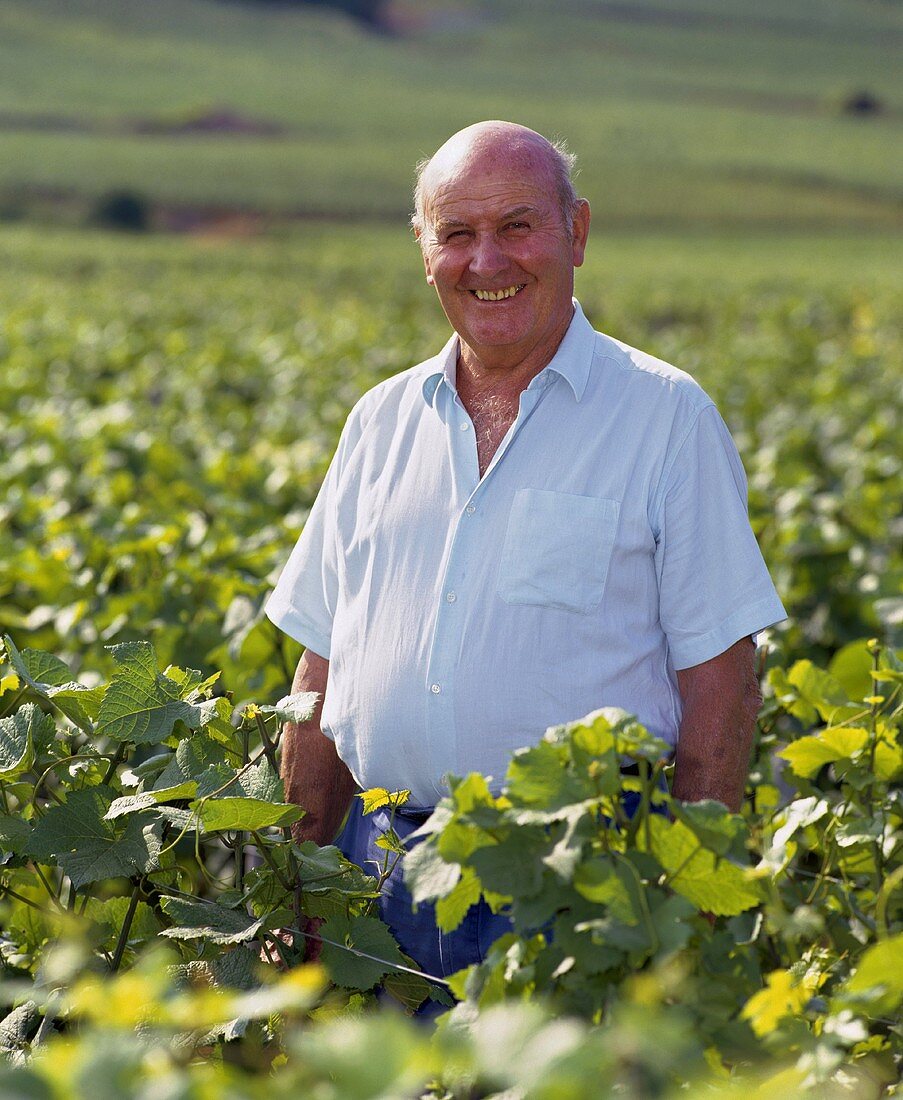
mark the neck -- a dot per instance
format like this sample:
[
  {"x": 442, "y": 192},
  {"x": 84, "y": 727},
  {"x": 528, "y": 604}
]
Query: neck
[{"x": 505, "y": 369}]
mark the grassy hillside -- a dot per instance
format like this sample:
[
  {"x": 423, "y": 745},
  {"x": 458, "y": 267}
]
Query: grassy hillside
[{"x": 712, "y": 113}]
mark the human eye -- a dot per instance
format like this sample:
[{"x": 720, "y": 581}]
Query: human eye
[{"x": 516, "y": 226}]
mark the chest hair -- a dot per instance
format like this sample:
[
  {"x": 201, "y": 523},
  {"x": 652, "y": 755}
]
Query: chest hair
[{"x": 492, "y": 415}]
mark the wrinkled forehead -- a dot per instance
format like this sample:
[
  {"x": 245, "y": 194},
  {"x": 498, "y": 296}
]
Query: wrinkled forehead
[{"x": 486, "y": 175}]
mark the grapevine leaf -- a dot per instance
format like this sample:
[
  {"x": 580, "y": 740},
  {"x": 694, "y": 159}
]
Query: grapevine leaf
[
  {"x": 218, "y": 814},
  {"x": 141, "y": 705},
  {"x": 327, "y": 870},
  {"x": 470, "y": 792},
  {"x": 50, "y": 678},
  {"x": 365, "y": 934},
  {"x": 377, "y": 797},
  {"x": 16, "y": 1031},
  {"x": 89, "y": 848},
  {"x": 819, "y": 691},
  {"x": 716, "y": 886},
  {"x": 602, "y": 881},
  {"x": 513, "y": 866},
  {"x": 130, "y": 804},
  {"x": 800, "y": 813},
  {"x": 711, "y": 821},
  {"x": 453, "y": 906},
  {"x": 110, "y": 913},
  {"x": 410, "y": 990},
  {"x": 878, "y": 979},
  {"x": 809, "y": 754},
  {"x": 782, "y": 996},
  {"x": 538, "y": 776},
  {"x": 14, "y": 834},
  {"x": 148, "y": 770},
  {"x": 36, "y": 667},
  {"x": 374, "y": 799},
  {"x": 80, "y": 704},
  {"x": 294, "y": 708},
  {"x": 204, "y": 920},
  {"x": 253, "y": 801},
  {"x": 17, "y": 738},
  {"x": 851, "y": 667},
  {"x": 568, "y": 850},
  {"x": 671, "y": 920},
  {"x": 193, "y": 756},
  {"x": 888, "y": 760},
  {"x": 427, "y": 875}
]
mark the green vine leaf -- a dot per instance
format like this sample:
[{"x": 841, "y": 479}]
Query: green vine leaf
[
  {"x": 878, "y": 980},
  {"x": 18, "y": 734},
  {"x": 452, "y": 908},
  {"x": 715, "y": 826},
  {"x": 14, "y": 834},
  {"x": 715, "y": 886},
  {"x": 141, "y": 705},
  {"x": 299, "y": 707},
  {"x": 427, "y": 875},
  {"x": 204, "y": 920},
  {"x": 808, "y": 755},
  {"x": 364, "y": 934},
  {"x": 252, "y": 801},
  {"x": 89, "y": 848},
  {"x": 51, "y": 679}
]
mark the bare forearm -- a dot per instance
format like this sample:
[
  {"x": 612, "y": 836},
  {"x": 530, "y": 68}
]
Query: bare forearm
[
  {"x": 314, "y": 776},
  {"x": 721, "y": 702}
]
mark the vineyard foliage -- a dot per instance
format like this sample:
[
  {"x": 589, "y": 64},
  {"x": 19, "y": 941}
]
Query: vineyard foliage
[{"x": 167, "y": 412}]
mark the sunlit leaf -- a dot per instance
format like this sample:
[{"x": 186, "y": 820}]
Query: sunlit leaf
[{"x": 141, "y": 705}]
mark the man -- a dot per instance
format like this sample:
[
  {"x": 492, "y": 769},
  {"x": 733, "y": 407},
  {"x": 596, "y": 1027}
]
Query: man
[{"x": 537, "y": 522}]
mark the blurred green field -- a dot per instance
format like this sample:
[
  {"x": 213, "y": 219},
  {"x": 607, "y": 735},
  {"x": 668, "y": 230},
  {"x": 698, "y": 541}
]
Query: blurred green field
[
  {"x": 169, "y": 406},
  {"x": 702, "y": 113}
]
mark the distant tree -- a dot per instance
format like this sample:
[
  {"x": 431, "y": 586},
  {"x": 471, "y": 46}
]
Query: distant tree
[
  {"x": 366, "y": 11},
  {"x": 862, "y": 102},
  {"x": 124, "y": 210}
]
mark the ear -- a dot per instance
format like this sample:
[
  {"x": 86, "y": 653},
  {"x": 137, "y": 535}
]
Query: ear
[
  {"x": 581, "y": 231},
  {"x": 425, "y": 258}
]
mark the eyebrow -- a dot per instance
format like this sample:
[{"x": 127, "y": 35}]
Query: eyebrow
[{"x": 456, "y": 223}]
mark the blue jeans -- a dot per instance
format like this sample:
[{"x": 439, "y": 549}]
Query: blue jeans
[{"x": 435, "y": 952}]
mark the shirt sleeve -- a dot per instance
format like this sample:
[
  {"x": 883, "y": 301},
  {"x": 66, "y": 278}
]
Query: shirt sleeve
[
  {"x": 303, "y": 602},
  {"x": 714, "y": 587}
]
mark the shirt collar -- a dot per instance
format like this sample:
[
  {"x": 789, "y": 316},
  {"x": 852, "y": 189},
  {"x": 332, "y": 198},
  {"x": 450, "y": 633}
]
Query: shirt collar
[{"x": 572, "y": 360}]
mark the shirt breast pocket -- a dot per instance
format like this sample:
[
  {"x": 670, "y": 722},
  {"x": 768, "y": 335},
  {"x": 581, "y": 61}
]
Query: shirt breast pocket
[{"x": 557, "y": 549}]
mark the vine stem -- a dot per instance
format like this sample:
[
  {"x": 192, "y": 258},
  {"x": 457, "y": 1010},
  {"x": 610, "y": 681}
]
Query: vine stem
[
  {"x": 6, "y": 891},
  {"x": 126, "y": 928},
  {"x": 115, "y": 761},
  {"x": 893, "y": 880},
  {"x": 269, "y": 748},
  {"x": 50, "y": 891},
  {"x": 240, "y": 836},
  {"x": 270, "y": 862}
]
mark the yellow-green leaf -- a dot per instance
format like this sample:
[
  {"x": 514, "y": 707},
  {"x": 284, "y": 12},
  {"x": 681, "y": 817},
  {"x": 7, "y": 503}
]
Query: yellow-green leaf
[{"x": 807, "y": 755}]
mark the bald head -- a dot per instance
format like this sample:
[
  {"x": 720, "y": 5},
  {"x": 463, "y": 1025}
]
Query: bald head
[{"x": 507, "y": 143}]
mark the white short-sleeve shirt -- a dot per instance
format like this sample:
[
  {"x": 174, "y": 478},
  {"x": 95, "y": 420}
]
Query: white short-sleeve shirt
[{"x": 606, "y": 546}]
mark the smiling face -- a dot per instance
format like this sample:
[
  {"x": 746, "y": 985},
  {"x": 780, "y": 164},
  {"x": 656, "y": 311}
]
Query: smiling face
[{"x": 496, "y": 246}]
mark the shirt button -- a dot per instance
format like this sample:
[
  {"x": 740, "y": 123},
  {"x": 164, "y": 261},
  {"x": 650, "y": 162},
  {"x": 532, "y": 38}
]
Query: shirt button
[
  {"x": 435, "y": 689},
  {"x": 470, "y": 509},
  {"x": 450, "y": 597},
  {"x": 464, "y": 426}
]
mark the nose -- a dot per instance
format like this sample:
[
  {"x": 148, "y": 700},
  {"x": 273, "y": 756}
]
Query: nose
[{"x": 487, "y": 258}]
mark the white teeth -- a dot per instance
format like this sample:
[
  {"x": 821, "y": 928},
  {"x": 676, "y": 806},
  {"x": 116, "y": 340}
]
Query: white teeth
[{"x": 498, "y": 295}]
